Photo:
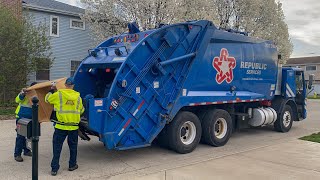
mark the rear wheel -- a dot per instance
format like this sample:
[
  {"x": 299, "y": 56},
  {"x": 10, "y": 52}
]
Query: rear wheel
[
  {"x": 184, "y": 132},
  {"x": 285, "y": 120},
  {"x": 216, "y": 127}
]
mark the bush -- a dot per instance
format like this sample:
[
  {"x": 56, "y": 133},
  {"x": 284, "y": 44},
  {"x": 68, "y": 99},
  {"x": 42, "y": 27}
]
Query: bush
[
  {"x": 8, "y": 104},
  {"x": 22, "y": 50}
]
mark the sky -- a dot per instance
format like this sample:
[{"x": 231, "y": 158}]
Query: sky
[{"x": 303, "y": 19}]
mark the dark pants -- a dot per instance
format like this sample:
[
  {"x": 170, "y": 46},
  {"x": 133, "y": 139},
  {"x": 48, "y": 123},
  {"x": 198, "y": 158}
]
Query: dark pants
[
  {"x": 20, "y": 145},
  {"x": 58, "y": 138}
]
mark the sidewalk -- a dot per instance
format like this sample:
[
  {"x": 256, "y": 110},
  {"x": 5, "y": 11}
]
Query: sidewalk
[{"x": 296, "y": 159}]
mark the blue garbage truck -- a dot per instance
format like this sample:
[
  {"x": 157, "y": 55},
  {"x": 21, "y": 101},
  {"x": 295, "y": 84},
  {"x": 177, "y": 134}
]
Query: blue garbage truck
[{"x": 186, "y": 82}]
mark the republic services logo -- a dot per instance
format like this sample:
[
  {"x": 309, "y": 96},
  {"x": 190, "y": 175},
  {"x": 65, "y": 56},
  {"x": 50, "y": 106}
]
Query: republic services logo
[{"x": 224, "y": 66}]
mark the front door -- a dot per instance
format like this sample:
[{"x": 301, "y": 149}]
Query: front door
[{"x": 300, "y": 94}]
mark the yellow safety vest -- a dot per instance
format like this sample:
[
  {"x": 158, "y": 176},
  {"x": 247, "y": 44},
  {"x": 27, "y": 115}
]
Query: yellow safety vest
[
  {"x": 68, "y": 106},
  {"x": 24, "y": 108}
]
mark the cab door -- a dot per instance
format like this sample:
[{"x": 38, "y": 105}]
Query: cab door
[
  {"x": 300, "y": 94},
  {"x": 288, "y": 83}
]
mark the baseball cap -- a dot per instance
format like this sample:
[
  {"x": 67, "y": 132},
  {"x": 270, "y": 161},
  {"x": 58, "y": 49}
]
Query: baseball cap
[{"x": 69, "y": 81}]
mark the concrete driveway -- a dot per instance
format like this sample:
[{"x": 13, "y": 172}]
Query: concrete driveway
[{"x": 258, "y": 153}]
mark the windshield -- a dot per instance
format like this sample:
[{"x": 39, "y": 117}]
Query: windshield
[{"x": 299, "y": 81}]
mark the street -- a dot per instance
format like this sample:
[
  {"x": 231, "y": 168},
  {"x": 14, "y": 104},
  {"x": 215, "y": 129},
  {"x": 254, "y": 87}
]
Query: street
[{"x": 251, "y": 153}]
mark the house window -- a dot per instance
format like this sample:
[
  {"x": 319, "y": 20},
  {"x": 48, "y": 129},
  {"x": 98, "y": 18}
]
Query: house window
[
  {"x": 77, "y": 24},
  {"x": 43, "y": 72},
  {"x": 54, "y": 26},
  {"x": 311, "y": 68},
  {"x": 74, "y": 67}
]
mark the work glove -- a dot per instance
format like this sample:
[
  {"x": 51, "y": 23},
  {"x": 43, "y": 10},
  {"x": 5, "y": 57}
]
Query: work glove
[
  {"x": 53, "y": 87},
  {"x": 23, "y": 91}
]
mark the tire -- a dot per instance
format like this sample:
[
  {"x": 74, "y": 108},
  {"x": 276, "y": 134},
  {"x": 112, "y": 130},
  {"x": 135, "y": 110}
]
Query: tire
[
  {"x": 216, "y": 127},
  {"x": 201, "y": 114},
  {"x": 285, "y": 120},
  {"x": 184, "y": 132}
]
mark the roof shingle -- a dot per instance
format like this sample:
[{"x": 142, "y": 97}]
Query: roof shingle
[{"x": 54, "y": 5}]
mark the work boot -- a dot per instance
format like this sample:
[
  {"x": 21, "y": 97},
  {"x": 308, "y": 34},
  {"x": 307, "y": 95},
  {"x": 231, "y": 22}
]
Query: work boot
[
  {"x": 54, "y": 173},
  {"x": 73, "y": 168},
  {"x": 28, "y": 154},
  {"x": 18, "y": 158}
]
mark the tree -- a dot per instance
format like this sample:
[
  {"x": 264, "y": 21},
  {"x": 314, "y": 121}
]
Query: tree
[
  {"x": 24, "y": 48},
  {"x": 110, "y": 17},
  {"x": 260, "y": 18}
]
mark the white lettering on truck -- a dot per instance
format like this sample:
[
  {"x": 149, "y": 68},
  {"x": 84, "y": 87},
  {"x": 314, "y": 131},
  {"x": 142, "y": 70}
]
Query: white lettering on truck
[{"x": 252, "y": 67}]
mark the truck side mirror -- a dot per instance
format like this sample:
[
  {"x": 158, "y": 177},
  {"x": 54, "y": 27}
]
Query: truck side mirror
[{"x": 311, "y": 79}]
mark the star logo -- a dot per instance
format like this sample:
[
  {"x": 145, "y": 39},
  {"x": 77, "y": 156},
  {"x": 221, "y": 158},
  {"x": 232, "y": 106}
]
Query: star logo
[{"x": 224, "y": 66}]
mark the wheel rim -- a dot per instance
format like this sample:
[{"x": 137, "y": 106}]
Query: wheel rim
[
  {"x": 286, "y": 118},
  {"x": 220, "y": 128},
  {"x": 188, "y": 132}
]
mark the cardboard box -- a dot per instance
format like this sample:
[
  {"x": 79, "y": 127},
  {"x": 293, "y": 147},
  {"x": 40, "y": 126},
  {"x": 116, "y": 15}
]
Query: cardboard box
[{"x": 40, "y": 90}]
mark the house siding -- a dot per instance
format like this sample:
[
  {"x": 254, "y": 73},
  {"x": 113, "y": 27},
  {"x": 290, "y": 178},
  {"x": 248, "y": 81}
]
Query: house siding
[
  {"x": 307, "y": 73},
  {"x": 316, "y": 72},
  {"x": 72, "y": 44}
]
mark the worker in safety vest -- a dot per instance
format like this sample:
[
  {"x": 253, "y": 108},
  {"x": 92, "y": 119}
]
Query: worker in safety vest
[
  {"x": 23, "y": 110},
  {"x": 68, "y": 108}
]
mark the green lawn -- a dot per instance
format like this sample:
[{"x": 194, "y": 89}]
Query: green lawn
[
  {"x": 313, "y": 137},
  {"x": 7, "y": 113},
  {"x": 312, "y": 97},
  {"x": 7, "y": 110}
]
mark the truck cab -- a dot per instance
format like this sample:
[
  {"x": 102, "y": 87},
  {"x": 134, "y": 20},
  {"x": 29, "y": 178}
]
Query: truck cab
[{"x": 294, "y": 88}]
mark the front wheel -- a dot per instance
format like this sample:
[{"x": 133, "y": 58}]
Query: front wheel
[
  {"x": 285, "y": 120},
  {"x": 184, "y": 132}
]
